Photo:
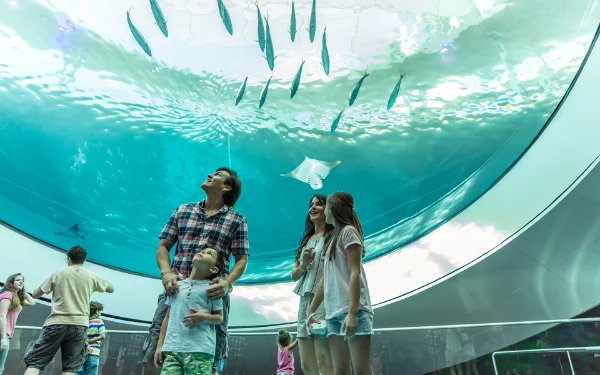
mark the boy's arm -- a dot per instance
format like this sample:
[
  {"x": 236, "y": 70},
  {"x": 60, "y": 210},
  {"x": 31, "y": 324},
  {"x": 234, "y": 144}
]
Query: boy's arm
[
  {"x": 97, "y": 338},
  {"x": 216, "y": 317}
]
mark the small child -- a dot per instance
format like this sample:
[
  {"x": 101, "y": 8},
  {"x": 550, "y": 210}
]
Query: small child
[
  {"x": 285, "y": 355},
  {"x": 187, "y": 336},
  {"x": 96, "y": 333}
]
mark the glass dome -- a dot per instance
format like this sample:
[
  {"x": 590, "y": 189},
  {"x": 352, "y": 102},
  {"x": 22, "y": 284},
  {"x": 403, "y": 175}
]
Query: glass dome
[{"x": 101, "y": 142}]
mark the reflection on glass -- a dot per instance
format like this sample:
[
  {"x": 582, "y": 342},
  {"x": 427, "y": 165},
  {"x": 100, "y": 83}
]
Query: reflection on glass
[{"x": 464, "y": 350}]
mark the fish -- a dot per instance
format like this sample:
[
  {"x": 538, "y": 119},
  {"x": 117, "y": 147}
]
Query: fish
[
  {"x": 72, "y": 231},
  {"x": 263, "y": 93},
  {"x": 394, "y": 93},
  {"x": 312, "y": 27},
  {"x": 293, "y": 23},
  {"x": 296, "y": 81},
  {"x": 225, "y": 16},
  {"x": 159, "y": 17},
  {"x": 138, "y": 36},
  {"x": 356, "y": 89},
  {"x": 270, "y": 55},
  {"x": 241, "y": 91},
  {"x": 336, "y": 121},
  {"x": 261, "y": 29},
  {"x": 325, "y": 53}
]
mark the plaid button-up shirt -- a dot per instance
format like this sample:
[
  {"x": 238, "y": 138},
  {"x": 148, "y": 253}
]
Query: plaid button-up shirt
[{"x": 226, "y": 230}]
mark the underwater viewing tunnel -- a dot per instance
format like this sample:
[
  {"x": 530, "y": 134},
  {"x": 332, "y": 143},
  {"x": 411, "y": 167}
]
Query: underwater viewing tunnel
[{"x": 458, "y": 126}]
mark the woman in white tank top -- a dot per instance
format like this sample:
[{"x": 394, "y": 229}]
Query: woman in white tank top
[{"x": 315, "y": 356}]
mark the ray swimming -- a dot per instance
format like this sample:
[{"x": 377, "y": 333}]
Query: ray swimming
[
  {"x": 225, "y": 16},
  {"x": 261, "y": 29},
  {"x": 312, "y": 27},
  {"x": 270, "y": 55},
  {"x": 159, "y": 17},
  {"x": 72, "y": 231},
  {"x": 241, "y": 91},
  {"x": 138, "y": 36},
  {"x": 336, "y": 121},
  {"x": 325, "y": 53},
  {"x": 263, "y": 93},
  {"x": 296, "y": 82},
  {"x": 312, "y": 171},
  {"x": 394, "y": 93},
  {"x": 356, "y": 89},
  {"x": 293, "y": 23}
]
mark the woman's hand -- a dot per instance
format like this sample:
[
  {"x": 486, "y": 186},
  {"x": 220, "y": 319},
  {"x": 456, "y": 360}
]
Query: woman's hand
[
  {"x": 312, "y": 319},
  {"x": 158, "y": 357},
  {"x": 194, "y": 319},
  {"x": 3, "y": 344},
  {"x": 307, "y": 257},
  {"x": 350, "y": 325}
]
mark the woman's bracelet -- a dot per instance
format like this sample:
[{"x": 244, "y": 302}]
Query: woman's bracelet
[{"x": 302, "y": 268}]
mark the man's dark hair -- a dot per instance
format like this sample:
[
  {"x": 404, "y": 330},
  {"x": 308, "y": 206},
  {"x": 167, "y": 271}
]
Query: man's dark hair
[
  {"x": 233, "y": 181},
  {"x": 77, "y": 254}
]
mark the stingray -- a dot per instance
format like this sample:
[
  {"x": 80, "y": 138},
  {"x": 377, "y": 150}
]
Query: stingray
[
  {"x": 313, "y": 171},
  {"x": 72, "y": 231}
]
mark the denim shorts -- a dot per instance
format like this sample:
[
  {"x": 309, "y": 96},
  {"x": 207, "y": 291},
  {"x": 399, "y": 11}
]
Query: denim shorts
[{"x": 365, "y": 324}]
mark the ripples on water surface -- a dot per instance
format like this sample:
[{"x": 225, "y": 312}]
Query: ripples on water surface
[{"x": 94, "y": 132}]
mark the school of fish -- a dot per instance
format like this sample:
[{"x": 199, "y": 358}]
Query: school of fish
[{"x": 265, "y": 43}]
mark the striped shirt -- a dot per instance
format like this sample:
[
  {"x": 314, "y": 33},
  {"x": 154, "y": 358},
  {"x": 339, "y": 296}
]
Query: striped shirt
[
  {"x": 95, "y": 329},
  {"x": 309, "y": 281},
  {"x": 226, "y": 230}
]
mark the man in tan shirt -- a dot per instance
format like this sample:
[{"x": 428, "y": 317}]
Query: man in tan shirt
[{"x": 67, "y": 324}]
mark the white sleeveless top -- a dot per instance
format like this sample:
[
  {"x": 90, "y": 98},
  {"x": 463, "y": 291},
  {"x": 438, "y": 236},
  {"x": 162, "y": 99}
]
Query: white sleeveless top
[{"x": 310, "y": 279}]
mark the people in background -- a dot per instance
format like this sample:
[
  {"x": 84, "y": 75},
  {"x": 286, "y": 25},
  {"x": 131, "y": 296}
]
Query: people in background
[
  {"x": 345, "y": 290},
  {"x": 66, "y": 326},
  {"x": 285, "y": 355},
  {"x": 454, "y": 351},
  {"x": 187, "y": 337},
  {"x": 96, "y": 334},
  {"x": 211, "y": 223},
  {"x": 12, "y": 299},
  {"x": 315, "y": 356}
]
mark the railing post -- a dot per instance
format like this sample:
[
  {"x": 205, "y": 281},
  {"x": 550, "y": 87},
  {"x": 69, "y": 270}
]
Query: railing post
[
  {"x": 570, "y": 362},
  {"x": 494, "y": 363}
]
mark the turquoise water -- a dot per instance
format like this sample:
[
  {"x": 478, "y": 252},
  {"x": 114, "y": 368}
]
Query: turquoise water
[{"x": 96, "y": 133}]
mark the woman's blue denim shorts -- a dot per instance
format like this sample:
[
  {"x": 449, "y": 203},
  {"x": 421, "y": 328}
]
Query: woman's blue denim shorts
[{"x": 365, "y": 324}]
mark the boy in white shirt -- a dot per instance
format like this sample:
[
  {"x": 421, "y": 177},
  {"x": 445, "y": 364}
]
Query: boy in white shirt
[{"x": 187, "y": 335}]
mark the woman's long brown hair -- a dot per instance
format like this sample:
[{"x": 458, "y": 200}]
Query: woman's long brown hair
[
  {"x": 341, "y": 206},
  {"x": 18, "y": 296},
  {"x": 309, "y": 227}
]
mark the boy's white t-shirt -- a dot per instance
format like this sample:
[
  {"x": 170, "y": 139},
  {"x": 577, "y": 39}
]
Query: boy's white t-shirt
[
  {"x": 337, "y": 277},
  {"x": 199, "y": 339}
]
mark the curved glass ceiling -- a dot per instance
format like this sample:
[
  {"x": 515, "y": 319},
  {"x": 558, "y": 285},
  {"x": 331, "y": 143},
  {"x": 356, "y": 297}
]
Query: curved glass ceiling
[{"x": 96, "y": 133}]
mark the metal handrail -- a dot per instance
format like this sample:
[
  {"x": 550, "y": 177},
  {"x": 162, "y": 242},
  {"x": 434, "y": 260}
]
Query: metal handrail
[
  {"x": 541, "y": 351},
  {"x": 246, "y": 332}
]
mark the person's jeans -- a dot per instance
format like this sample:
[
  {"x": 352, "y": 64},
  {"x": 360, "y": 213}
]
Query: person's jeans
[
  {"x": 90, "y": 367},
  {"x": 3, "y": 355}
]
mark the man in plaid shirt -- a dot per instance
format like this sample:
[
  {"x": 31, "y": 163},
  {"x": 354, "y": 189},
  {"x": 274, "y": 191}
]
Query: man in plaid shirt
[{"x": 194, "y": 227}]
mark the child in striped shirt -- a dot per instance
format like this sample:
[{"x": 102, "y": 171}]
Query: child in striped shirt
[{"x": 96, "y": 333}]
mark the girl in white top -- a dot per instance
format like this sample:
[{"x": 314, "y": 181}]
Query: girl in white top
[
  {"x": 345, "y": 290},
  {"x": 309, "y": 266}
]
